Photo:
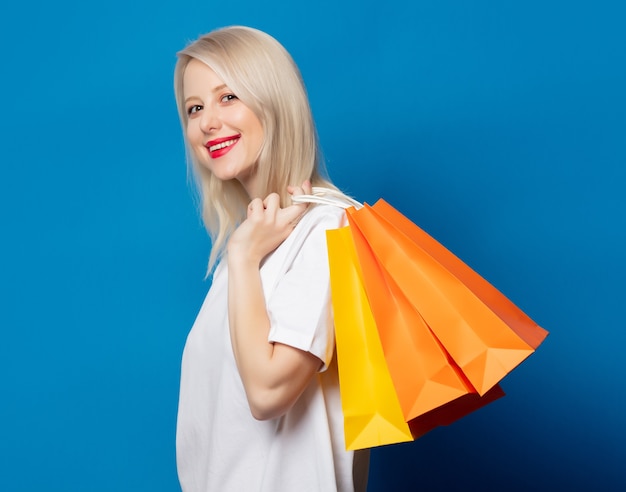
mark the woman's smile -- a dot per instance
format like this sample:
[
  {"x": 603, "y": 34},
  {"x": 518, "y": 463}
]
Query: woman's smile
[{"x": 220, "y": 146}]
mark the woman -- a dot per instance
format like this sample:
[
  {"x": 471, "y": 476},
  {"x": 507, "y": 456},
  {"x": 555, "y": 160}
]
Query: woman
[{"x": 259, "y": 405}]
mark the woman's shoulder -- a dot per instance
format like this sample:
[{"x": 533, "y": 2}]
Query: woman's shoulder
[
  {"x": 312, "y": 227},
  {"x": 329, "y": 215}
]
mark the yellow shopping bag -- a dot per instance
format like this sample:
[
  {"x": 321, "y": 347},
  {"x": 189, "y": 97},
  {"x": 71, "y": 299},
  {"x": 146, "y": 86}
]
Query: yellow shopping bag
[{"x": 371, "y": 410}]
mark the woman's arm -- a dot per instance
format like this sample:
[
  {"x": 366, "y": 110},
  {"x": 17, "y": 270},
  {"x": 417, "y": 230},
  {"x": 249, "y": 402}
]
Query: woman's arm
[{"x": 274, "y": 375}]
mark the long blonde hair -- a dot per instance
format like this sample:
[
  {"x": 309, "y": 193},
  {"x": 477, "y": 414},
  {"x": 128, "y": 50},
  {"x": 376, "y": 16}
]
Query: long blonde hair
[{"x": 265, "y": 78}]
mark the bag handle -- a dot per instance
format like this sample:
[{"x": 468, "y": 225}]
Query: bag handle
[{"x": 327, "y": 196}]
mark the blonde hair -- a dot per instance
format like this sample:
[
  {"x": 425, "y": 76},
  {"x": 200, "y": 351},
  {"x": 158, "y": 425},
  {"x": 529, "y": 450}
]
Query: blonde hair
[{"x": 262, "y": 74}]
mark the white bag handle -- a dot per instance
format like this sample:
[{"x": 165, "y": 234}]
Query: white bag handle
[{"x": 327, "y": 196}]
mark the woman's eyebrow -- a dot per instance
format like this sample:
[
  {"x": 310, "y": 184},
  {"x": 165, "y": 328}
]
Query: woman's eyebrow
[{"x": 214, "y": 90}]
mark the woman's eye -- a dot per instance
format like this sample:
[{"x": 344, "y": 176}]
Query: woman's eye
[
  {"x": 228, "y": 97},
  {"x": 193, "y": 109}
]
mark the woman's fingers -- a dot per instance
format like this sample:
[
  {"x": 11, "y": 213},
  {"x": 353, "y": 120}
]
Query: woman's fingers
[
  {"x": 272, "y": 203},
  {"x": 291, "y": 215},
  {"x": 304, "y": 189},
  {"x": 267, "y": 224},
  {"x": 255, "y": 207},
  {"x": 269, "y": 208}
]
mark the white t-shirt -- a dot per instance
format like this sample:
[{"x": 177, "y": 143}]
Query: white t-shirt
[{"x": 220, "y": 446}]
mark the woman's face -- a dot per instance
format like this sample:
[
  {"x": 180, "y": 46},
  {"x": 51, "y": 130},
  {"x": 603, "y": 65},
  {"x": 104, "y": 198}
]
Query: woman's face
[{"x": 224, "y": 134}]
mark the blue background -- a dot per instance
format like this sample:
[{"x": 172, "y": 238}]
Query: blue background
[{"x": 499, "y": 127}]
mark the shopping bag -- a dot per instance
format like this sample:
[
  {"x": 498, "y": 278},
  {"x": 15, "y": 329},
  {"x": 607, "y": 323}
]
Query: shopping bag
[
  {"x": 372, "y": 413},
  {"x": 513, "y": 316},
  {"x": 403, "y": 271},
  {"x": 453, "y": 411},
  {"x": 424, "y": 377},
  {"x": 480, "y": 340}
]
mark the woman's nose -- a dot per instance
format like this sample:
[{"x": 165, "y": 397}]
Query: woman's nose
[{"x": 209, "y": 120}]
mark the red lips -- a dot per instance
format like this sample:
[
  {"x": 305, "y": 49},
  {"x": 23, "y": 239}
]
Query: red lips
[{"x": 220, "y": 146}]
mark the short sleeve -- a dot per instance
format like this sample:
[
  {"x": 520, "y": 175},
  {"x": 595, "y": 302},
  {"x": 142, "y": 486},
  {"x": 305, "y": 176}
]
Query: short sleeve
[{"x": 299, "y": 304}]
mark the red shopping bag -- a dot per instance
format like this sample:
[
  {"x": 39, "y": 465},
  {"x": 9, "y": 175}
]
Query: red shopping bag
[{"x": 453, "y": 411}]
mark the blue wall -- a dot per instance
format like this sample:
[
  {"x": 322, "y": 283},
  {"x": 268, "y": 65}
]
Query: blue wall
[{"x": 499, "y": 127}]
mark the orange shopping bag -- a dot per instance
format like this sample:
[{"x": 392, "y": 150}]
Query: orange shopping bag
[
  {"x": 513, "y": 316},
  {"x": 477, "y": 334},
  {"x": 423, "y": 374}
]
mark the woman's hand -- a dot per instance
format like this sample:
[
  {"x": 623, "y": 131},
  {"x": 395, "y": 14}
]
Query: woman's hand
[{"x": 266, "y": 226}]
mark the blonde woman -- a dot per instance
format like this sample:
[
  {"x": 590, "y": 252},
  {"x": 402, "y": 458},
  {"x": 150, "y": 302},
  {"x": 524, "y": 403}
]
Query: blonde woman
[{"x": 259, "y": 406}]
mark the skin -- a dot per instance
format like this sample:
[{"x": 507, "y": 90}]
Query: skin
[{"x": 274, "y": 375}]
